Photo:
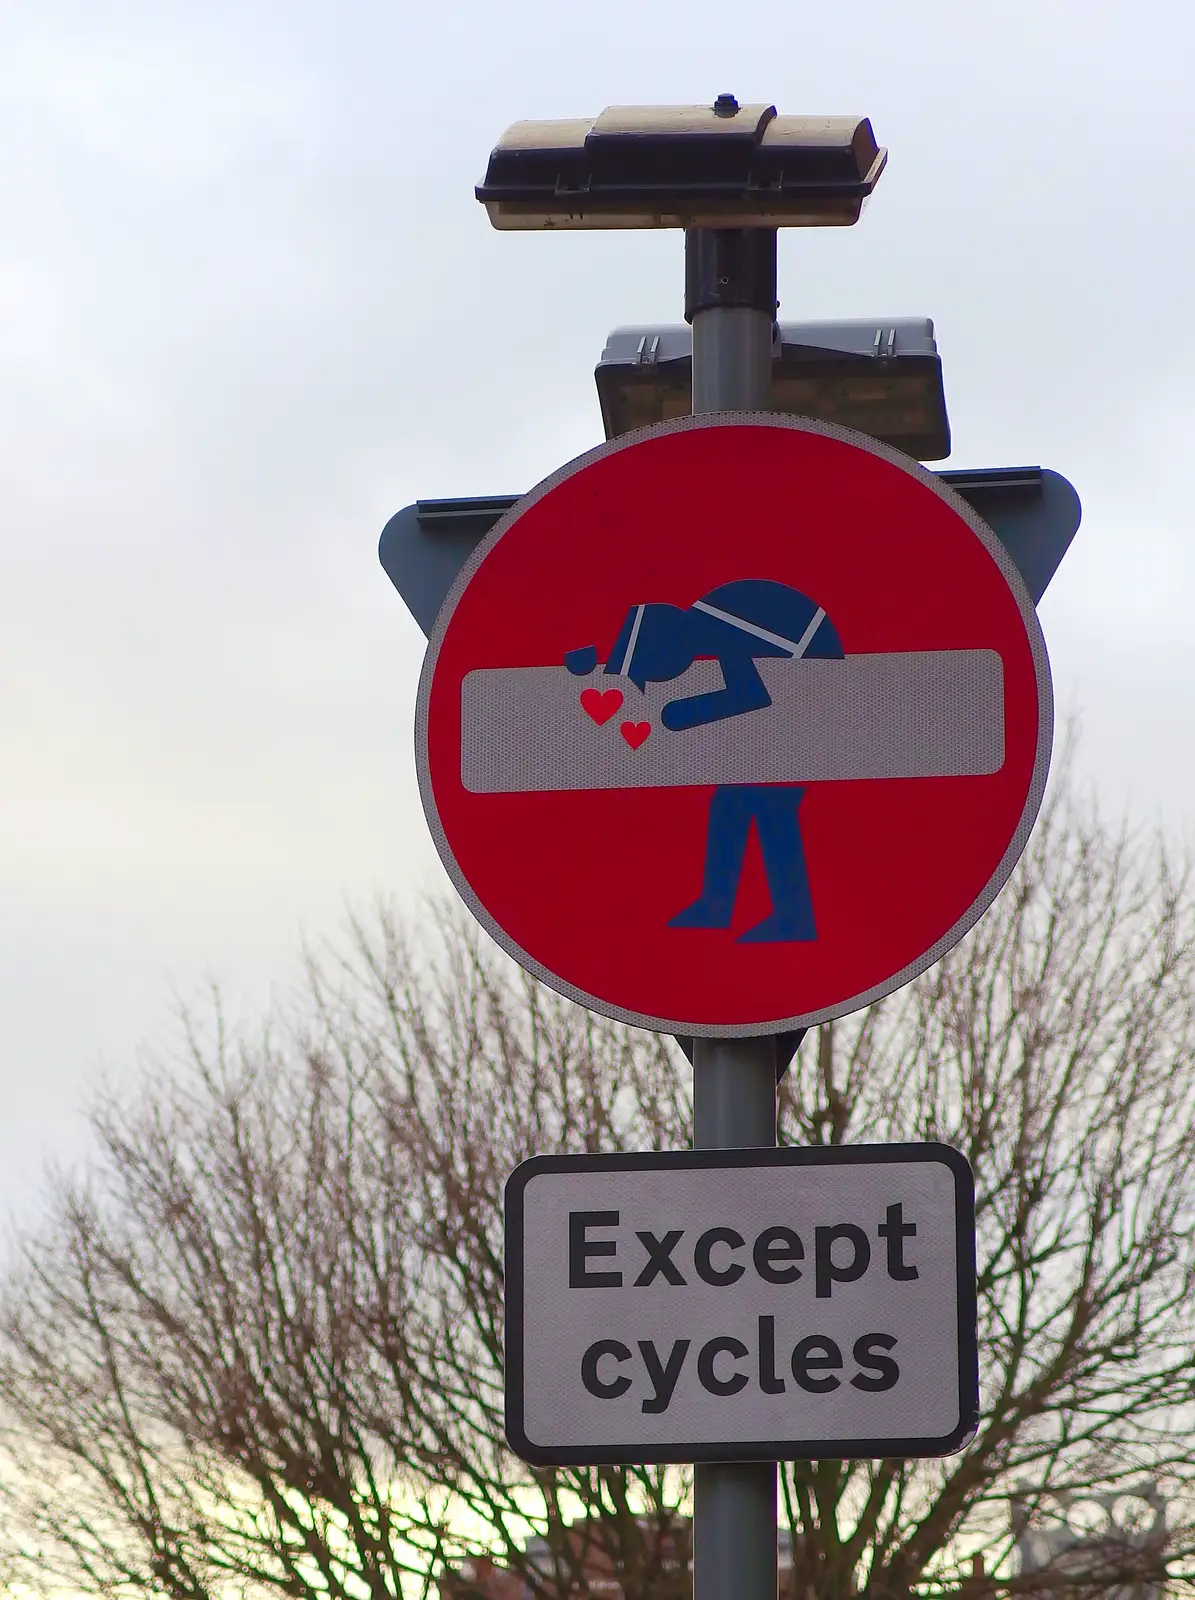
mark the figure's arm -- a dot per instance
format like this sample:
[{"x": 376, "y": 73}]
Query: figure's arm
[{"x": 743, "y": 691}]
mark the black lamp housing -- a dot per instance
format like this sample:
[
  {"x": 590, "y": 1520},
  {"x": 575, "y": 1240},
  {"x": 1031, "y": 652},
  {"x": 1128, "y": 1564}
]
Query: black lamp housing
[
  {"x": 882, "y": 378},
  {"x": 723, "y": 165}
]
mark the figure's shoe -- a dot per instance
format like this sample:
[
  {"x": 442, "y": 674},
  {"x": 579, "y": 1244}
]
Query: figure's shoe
[
  {"x": 703, "y": 913},
  {"x": 782, "y": 927}
]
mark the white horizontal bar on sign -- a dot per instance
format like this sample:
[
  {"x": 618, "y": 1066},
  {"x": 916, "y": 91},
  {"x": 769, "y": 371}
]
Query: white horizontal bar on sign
[{"x": 907, "y": 714}]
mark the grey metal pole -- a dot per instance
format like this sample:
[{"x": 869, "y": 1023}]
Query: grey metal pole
[{"x": 730, "y": 298}]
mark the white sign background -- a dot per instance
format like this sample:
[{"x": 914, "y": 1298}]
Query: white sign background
[{"x": 929, "y": 1408}]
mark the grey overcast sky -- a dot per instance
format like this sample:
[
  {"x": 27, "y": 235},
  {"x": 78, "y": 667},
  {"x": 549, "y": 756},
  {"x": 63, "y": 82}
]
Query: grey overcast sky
[{"x": 249, "y": 307}]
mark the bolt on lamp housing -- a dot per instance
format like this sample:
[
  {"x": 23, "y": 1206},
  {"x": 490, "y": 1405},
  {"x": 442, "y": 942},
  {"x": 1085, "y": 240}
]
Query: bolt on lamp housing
[
  {"x": 883, "y": 379},
  {"x": 724, "y": 165}
]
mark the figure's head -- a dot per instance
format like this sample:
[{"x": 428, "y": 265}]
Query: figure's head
[{"x": 652, "y": 645}]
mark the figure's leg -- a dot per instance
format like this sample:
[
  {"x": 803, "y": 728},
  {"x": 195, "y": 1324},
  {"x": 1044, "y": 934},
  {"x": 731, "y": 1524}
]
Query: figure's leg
[
  {"x": 731, "y": 809},
  {"x": 791, "y": 920}
]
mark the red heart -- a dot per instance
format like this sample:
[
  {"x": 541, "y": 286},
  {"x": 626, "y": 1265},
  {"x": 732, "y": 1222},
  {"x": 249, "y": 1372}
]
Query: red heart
[
  {"x": 635, "y": 732},
  {"x": 601, "y": 707}
]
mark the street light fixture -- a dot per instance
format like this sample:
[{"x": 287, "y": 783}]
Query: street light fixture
[
  {"x": 723, "y": 165},
  {"x": 883, "y": 379}
]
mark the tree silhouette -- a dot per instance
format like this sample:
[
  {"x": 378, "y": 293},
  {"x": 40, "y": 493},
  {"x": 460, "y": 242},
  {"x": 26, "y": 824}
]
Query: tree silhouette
[{"x": 258, "y": 1342}]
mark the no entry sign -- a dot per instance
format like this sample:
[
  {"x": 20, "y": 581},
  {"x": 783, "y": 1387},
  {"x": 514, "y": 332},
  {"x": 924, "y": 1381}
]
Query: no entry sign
[
  {"x": 734, "y": 725},
  {"x": 751, "y": 1304}
]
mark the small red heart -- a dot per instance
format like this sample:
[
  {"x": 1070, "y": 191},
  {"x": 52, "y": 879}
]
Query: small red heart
[
  {"x": 601, "y": 707},
  {"x": 635, "y": 732}
]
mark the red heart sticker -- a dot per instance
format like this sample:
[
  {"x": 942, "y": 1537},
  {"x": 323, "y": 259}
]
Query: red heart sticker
[
  {"x": 601, "y": 707},
  {"x": 635, "y": 732}
]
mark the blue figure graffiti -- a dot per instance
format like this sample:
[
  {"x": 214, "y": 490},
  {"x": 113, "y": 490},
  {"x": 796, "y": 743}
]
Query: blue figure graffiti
[{"x": 736, "y": 625}]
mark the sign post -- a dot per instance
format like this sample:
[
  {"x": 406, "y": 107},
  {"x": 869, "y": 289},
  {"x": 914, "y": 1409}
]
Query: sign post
[
  {"x": 730, "y": 727},
  {"x": 730, "y": 299}
]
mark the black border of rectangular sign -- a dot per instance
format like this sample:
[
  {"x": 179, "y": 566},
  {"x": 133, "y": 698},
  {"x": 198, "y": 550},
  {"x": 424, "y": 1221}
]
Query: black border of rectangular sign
[{"x": 754, "y": 1449}]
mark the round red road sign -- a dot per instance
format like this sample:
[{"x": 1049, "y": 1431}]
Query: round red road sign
[{"x": 734, "y": 725}]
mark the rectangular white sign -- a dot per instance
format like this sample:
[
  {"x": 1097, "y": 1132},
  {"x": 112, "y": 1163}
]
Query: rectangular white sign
[
  {"x": 741, "y": 1304},
  {"x": 912, "y": 714}
]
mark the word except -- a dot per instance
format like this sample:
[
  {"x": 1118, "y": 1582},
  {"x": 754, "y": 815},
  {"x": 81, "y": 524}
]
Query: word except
[
  {"x": 774, "y": 1255},
  {"x": 815, "y": 1362}
]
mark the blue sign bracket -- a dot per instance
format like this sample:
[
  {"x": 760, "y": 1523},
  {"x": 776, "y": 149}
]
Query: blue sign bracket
[{"x": 1034, "y": 512}]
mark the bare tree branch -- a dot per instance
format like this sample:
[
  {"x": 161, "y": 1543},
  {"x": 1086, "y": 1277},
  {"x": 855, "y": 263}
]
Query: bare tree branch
[{"x": 259, "y": 1343}]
